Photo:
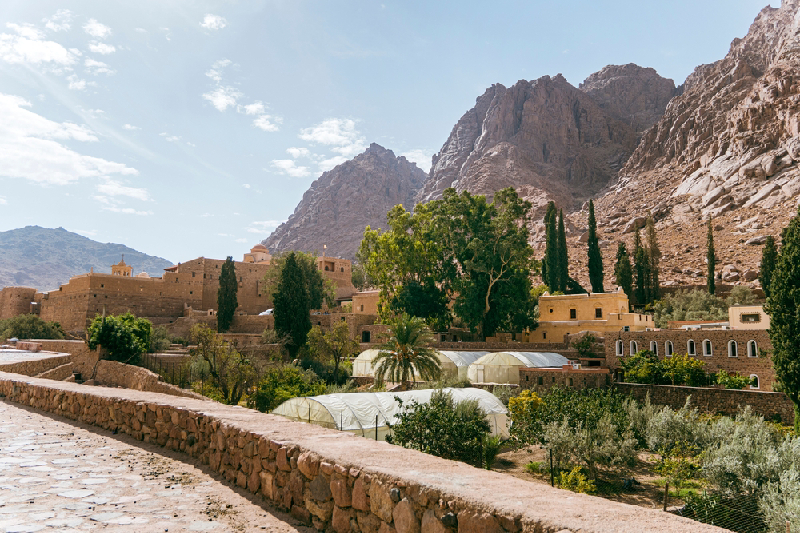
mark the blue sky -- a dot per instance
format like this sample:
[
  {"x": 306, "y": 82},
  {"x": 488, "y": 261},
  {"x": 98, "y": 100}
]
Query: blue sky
[{"x": 189, "y": 128}]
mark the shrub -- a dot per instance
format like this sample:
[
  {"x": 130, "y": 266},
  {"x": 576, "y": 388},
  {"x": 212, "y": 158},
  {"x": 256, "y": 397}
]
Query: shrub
[
  {"x": 536, "y": 467},
  {"x": 284, "y": 383},
  {"x": 159, "y": 340},
  {"x": 680, "y": 369},
  {"x": 29, "y": 327},
  {"x": 732, "y": 381},
  {"x": 585, "y": 345},
  {"x": 642, "y": 367},
  {"x": 226, "y": 369},
  {"x": 576, "y": 481},
  {"x": 491, "y": 447},
  {"x": 125, "y": 336}
]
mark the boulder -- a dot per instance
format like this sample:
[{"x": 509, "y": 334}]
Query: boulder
[{"x": 756, "y": 241}]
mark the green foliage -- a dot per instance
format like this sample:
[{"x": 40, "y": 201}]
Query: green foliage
[
  {"x": 550, "y": 261},
  {"x": 641, "y": 265},
  {"x": 576, "y": 481},
  {"x": 732, "y": 381},
  {"x": 536, "y": 467},
  {"x": 491, "y": 448},
  {"x": 585, "y": 345},
  {"x": 680, "y": 369},
  {"x": 563, "y": 258},
  {"x": 426, "y": 301},
  {"x": 698, "y": 305},
  {"x": 780, "y": 502},
  {"x": 124, "y": 336},
  {"x": 226, "y": 295},
  {"x": 333, "y": 345},
  {"x": 319, "y": 289},
  {"x": 293, "y": 304},
  {"x": 229, "y": 372},
  {"x": 740, "y": 513},
  {"x": 782, "y": 306},
  {"x": 642, "y": 367},
  {"x": 29, "y": 327},
  {"x": 359, "y": 277},
  {"x": 623, "y": 271},
  {"x": 711, "y": 259},
  {"x": 653, "y": 257},
  {"x": 595, "y": 262},
  {"x": 505, "y": 393},
  {"x": 443, "y": 428},
  {"x": 406, "y": 354},
  {"x": 769, "y": 258},
  {"x": 159, "y": 340},
  {"x": 284, "y": 383}
]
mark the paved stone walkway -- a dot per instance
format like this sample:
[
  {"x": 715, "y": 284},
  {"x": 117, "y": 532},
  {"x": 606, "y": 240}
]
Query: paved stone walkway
[{"x": 57, "y": 475}]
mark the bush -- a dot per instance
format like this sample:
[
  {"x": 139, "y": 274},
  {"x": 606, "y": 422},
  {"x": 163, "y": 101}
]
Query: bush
[
  {"x": 125, "y": 336},
  {"x": 159, "y": 340},
  {"x": 732, "y": 381},
  {"x": 230, "y": 372},
  {"x": 576, "y": 481},
  {"x": 585, "y": 345},
  {"x": 645, "y": 367},
  {"x": 29, "y": 327},
  {"x": 740, "y": 514},
  {"x": 284, "y": 383},
  {"x": 642, "y": 367}
]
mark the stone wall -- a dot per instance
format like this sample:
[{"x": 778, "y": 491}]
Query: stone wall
[
  {"x": 36, "y": 366},
  {"x": 710, "y": 400},
  {"x": 336, "y": 481},
  {"x": 16, "y": 301},
  {"x": 543, "y": 379},
  {"x": 115, "y": 374}
]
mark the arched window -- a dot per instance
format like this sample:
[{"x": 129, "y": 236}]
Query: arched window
[
  {"x": 634, "y": 347},
  {"x": 654, "y": 347},
  {"x": 708, "y": 349},
  {"x": 733, "y": 349},
  {"x": 620, "y": 348},
  {"x": 668, "y": 348},
  {"x": 752, "y": 348},
  {"x": 690, "y": 348},
  {"x": 754, "y": 384}
]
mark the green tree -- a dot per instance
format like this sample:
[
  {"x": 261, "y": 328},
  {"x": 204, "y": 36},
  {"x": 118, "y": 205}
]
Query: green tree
[
  {"x": 425, "y": 300},
  {"x": 29, "y": 327},
  {"x": 769, "y": 257},
  {"x": 698, "y": 305},
  {"x": 125, "y": 337},
  {"x": 623, "y": 271},
  {"x": 550, "y": 262},
  {"x": 292, "y": 305},
  {"x": 782, "y": 307},
  {"x": 334, "y": 345},
  {"x": 654, "y": 258},
  {"x": 320, "y": 290},
  {"x": 711, "y": 259},
  {"x": 563, "y": 257},
  {"x": 226, "y": 295},
  {"x": 595, "y": 256},
  {"x": 642, "y": 367},
  {"x": 284, "y": 383},
  {"x": 229, "y": 372},
  {"x": 406, "y": 354},
  {"x": 641, "y": 265},
  {"x": 359, "y": 277}
]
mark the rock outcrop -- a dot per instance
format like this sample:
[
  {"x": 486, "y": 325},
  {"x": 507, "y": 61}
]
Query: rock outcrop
[{"x": 343, "y": 201}]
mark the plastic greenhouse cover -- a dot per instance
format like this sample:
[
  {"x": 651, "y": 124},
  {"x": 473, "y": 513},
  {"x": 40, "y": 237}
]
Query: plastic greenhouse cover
[
  {"x": 540, "y": 359},
  {"x": 463, "y": 358}
]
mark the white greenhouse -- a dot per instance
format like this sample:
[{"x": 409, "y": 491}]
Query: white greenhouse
[
  {"x": 371, "y": 414},
  {"x": 503, "y": 367},
  {"x": 454, "y": 364}
]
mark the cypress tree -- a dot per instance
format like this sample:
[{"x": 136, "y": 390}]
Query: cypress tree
[
  {"x": 226, "y": 295},
  {"x": 550, "y": 263},
  {"x": 623, "y": 270},
  {"x": 641, "y": 265},
  {"x": 654, "y": 256},
  {"x": 769, "y": 256},
  {"x": 563, "y": 259},
  {"x": 595, "y": 257},
  {"x": 292, "y": 305},
  {"x": 711, "y": 259},
  {"x": 782, "y": 306}
]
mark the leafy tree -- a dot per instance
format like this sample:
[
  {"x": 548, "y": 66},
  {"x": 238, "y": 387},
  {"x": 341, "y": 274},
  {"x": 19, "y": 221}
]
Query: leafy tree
[
  {"x": 292, "y": 305},
  {"x": 585, "y": 345},
  {"x": 623, "y": 271},
  {"x": 550, "y": 262},
  {"x": 125, "y": 337},
  {"x": 698, "y": 305},
  {"x": 29, "y": 327},
  {"x": 320, "y": 289},
  {"x": 226, "y": 295},
  {"x": 782, "y": 306},
  {"x": 680, "y": 369},
  {"x": 406, "y": 353},
  {"x": 284, "y": 383},
  {"x": 769, "y": 257},
  {"x": 443, "y": 428},
  {"x": 711, "y": 259},
  {"x": 654, "y": 257},
  {"x": 563, "y": 258},
  {"x": 527, "y": 427},
  {"x": 359, "y": 277},
  {"x": 424, "y": 300},
  {"x": 229, "y": 372},
  {"x": 159, "y": 339},
  {"x": 595, "y": 256},
  {"x": 732, "y": 380},
  {"x": 641, "y": 265},
  {"x": 335, "y": 344},
  {"x": 642, "y": 367}
]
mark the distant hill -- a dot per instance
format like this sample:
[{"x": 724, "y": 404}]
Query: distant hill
[{"x": 45, "y": 258}]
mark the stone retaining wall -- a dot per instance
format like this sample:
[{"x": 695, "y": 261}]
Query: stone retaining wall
[
  {"x": 115, "y": 374},
  {"x": 35, "y": 367},
  {"x": 712, "y": 400},
  {"x": 336, "y": 481}
]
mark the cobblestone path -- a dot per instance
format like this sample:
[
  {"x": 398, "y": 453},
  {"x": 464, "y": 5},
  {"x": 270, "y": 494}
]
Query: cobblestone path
[{"x": 58, "y": 475}]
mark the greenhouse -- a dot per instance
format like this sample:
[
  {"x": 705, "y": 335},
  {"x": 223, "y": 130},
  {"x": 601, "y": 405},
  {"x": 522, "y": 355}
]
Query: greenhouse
[
  {"x": 454, "y": 364},
  {"x": 371, "y": 414},
  {"x": 503, "y": 367}
]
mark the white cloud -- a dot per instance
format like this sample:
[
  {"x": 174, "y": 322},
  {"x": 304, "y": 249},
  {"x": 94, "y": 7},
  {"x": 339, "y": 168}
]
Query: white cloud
[
  {"x": 102, "y": 48},
  {"x": 213, "y": 22},
  {"x": 96, "y": 29},
  {"x": 421, "y": 157},
  {"x": 327, "y": 164},
  {"x": 298, "y": 152},
  {"x": 113, "y": 188},
  {"x": 29, "y": 47},
  {"x": 215, "y": 72},
  {"x": 241, "y": 240},
  {"x": 256, "y": 108},
  {"x": 29, "y": 147},
  {"x": 87, "y": 232},
  {"x": 169, "y": 138},
  {"x": 288, "y": 167},
  {"x": 75, "y": 83},
  {"x": 97, "y": 67},
  {"x": 267, "y": 123},
  {"x": 339, "y": 133},
  {"x": 60, "y": 21},
  {"x": 129, "y": 127},
  {"x": 246, "y": 185},
  {"x": 223, "y": 97},
  {"x": 127, "y": 211},
  {"x": 264, "y": 226},
  {"x": 3, "y": 200},
  {"x": 140, "y": 30}
]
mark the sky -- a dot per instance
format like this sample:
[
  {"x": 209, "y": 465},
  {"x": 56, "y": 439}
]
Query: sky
[{"x": 187, "y": 128}]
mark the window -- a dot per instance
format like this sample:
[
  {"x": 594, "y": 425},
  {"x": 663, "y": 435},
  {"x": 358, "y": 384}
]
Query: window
[
  {"x": 526, "y": 378},
  {"x": 634, "y": 347},
  {"x": 598, "y": 313},
  {"x": 541, "y": 380},
  {"x": 551, "y": 310},
  {"x": 573, "y": 314},
  {"x": 570, "y": 382},
  {"x": 690, "y": 348},
  {"x": 362, "y": 308},
  {"x": 626, "y": 328},
  {"x": 342, "y": 269},
  {"x": 620, "y": 348},
  {"x": 192, "y": 274},
  {"x": 752, "y": 348},
  {"x": 754, "y": 384},
  {"x": 668, "y": 348},
  {"x": 102, "y": 285},
  {"x": 750, "y": 317},
  {"x": 654, "y": 347},
  {"x": 365, "y": 336},
  {"x": 707, "y": 348},
  {"x": 544, "y": 334},
  {"x": 733, "y": 349}
]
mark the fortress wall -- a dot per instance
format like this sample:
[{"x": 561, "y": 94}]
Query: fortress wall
[
  {"x": 336, "y": 481},
  {"x": 16, "y": 301}
]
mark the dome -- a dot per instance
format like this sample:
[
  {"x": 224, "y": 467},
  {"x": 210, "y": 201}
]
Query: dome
[
  {"x": 258, "y": 248},
  {"x": 142, "y": 275}
]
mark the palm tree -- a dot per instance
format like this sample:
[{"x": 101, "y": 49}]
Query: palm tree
[{"x": 406, "y": 353}]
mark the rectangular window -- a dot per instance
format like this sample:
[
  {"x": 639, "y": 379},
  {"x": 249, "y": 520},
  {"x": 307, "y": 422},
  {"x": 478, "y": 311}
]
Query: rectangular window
[
  {"x": 544, "y": 334},
  {"x": 573, "y": 314},
  {"x": 598, "y": 313},
  {"x": 541, "y": 380},
  {"x": 751, "y": 317}
]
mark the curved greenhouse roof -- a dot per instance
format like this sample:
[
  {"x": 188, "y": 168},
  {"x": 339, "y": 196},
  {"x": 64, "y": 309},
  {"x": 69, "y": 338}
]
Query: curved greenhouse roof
[
  {"x": 503, "y": 367},
  {"x": 453, "y": 363},
  {"x": 372, "y": 414},
  {"x": 540, "y": 359}
]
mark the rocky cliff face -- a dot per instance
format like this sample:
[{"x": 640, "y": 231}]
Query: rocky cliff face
[{"x": 343, "y": 201}]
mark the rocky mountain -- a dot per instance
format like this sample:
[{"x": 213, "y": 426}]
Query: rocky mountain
[
  {"x": 343, "y": 201},
  {"x": 45, "y": 258}
]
